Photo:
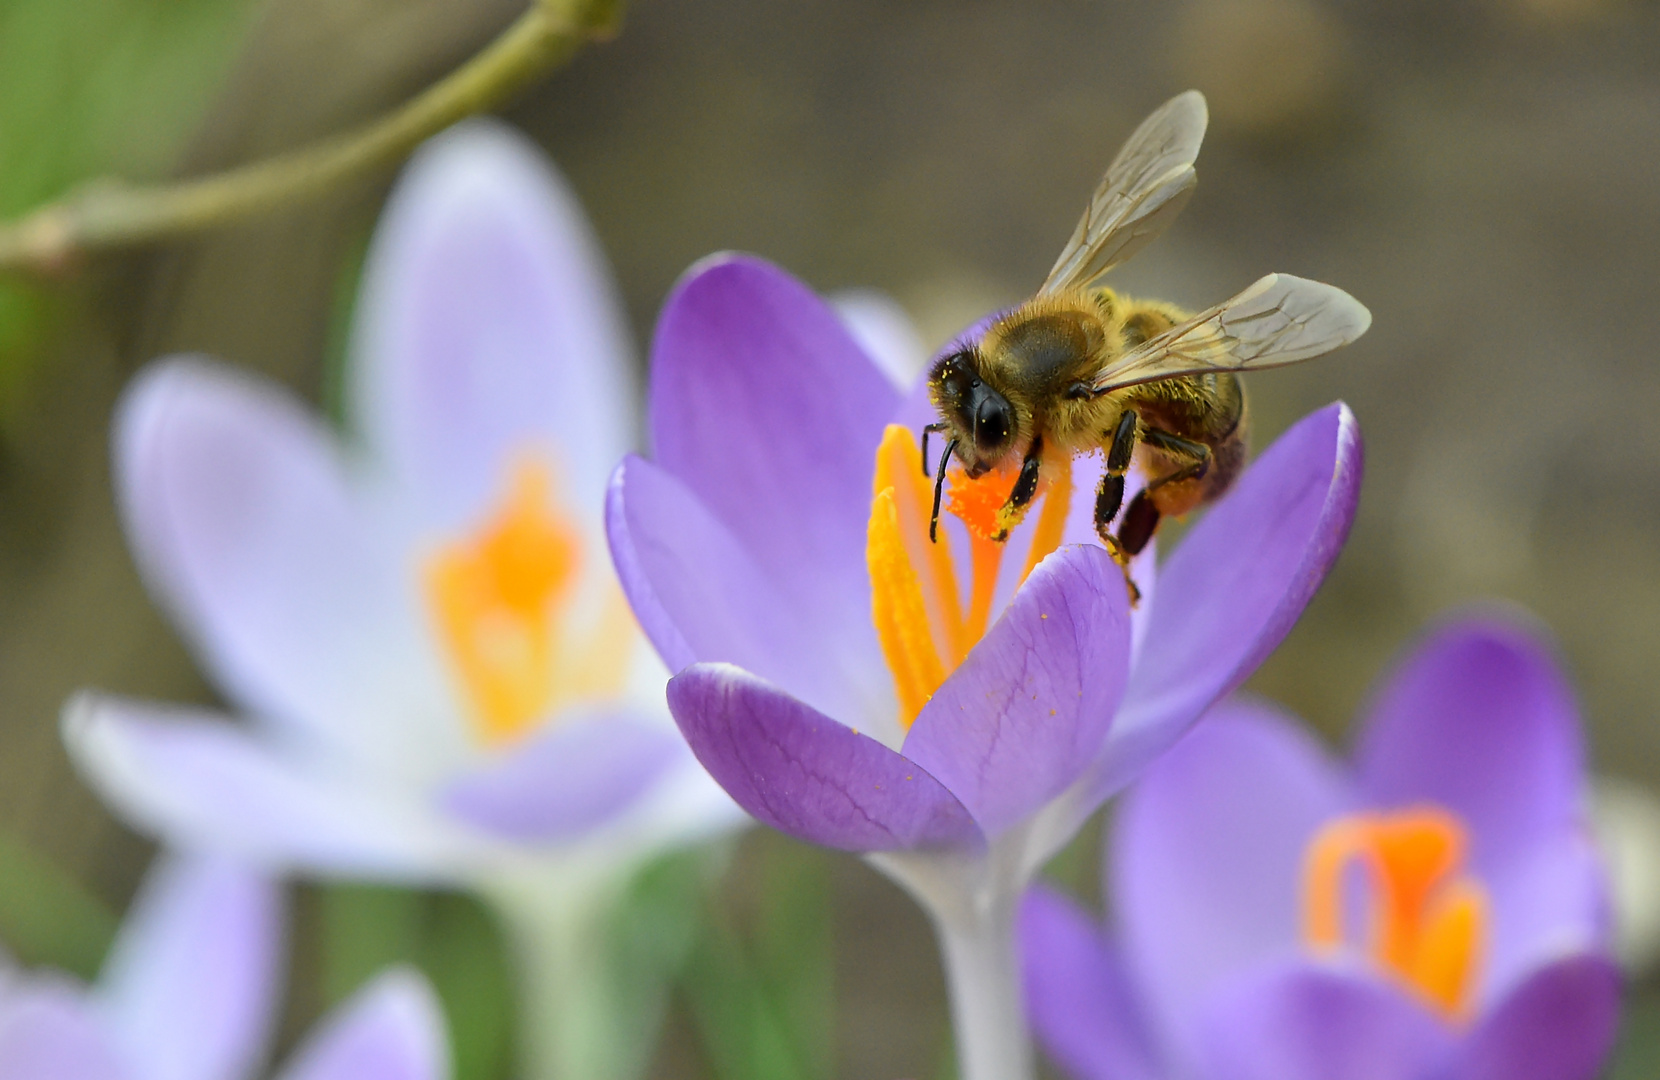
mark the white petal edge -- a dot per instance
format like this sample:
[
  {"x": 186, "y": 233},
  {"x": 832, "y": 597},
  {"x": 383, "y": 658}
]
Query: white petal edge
[{"x": 199, "y": 781}]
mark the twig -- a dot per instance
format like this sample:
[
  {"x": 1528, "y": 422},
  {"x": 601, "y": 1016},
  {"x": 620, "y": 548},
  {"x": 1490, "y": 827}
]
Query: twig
[{"x": 110, "y": 213}]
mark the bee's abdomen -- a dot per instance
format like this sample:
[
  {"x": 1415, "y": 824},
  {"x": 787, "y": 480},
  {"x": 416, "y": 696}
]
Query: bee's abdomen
[
  {"x": 1206, "y": 408},
  {"x": 1227, "y": 461}
]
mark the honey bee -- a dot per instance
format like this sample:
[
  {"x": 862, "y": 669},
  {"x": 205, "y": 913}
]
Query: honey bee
[{"x": 1079, "y": 368}]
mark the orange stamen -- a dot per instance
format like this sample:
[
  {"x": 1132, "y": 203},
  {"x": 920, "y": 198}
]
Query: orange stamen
[
  {"x": 497, "y": 597},
  {"x": 900, "y": 612},
  {"x": 1429, "y": 921},
  {"x": 986, "y": 559},
  {"x": 915, "y": 601},
  {"x": 899, "y": 466}
]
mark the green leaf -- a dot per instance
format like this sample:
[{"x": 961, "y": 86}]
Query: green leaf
[
  {"x": 761, "y": 988},
  {"x": 47, "y": 917},
  {"x": 464, "y": 956},
  {"x": 657, "y": 923},
  {"x": 1637, "y": 1055},
  {"x": 91, "y": 88}
]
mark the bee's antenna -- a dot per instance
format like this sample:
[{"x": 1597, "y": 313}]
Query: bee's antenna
[
  {"x": 929, "y": 430},
  {"x": 939, "y": 488}
]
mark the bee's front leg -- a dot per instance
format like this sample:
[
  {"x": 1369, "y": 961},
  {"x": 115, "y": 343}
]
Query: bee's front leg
[{"x": 1025, "y": 488}]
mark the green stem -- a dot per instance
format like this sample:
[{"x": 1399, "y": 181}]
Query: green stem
[
  {"x": 110, "y": 213},
  {"x": 581, "y": 1017}
]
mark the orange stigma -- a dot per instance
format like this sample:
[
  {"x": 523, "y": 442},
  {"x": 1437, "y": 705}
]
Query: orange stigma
[
  {"x": 923, "y": 621},
  {"x": 1428, "y": 920},
  {"x": 501, "y": 598}
]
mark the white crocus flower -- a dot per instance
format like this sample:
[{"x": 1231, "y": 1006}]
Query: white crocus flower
[{"x": 441, "y": 682}]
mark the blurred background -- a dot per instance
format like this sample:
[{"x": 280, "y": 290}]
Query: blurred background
[{"x": 1480, "y": 173}]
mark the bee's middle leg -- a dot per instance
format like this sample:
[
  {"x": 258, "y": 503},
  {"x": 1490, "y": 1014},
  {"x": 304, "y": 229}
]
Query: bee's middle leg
[
  {"x": 1109, "y": 495},
  {"x": 1025, "y": 488}
]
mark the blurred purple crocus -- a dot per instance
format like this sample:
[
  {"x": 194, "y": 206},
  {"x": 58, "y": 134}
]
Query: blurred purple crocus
[
  {"x": 1434, "y": 911},
  {"x": 857, "y": 687},
  {"x": 419, "y": 619},
  {"x": 191, "y": 991}
]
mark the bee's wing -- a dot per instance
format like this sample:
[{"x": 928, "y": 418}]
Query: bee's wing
[
  {"x": 1145, "y": 188},
  {"x": 1278, "y": 320}
]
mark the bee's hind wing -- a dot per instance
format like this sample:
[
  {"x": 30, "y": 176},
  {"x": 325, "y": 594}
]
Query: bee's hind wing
[
  {"x": 1144, "y": 189},
  {"x": 1279, "y": 320}
]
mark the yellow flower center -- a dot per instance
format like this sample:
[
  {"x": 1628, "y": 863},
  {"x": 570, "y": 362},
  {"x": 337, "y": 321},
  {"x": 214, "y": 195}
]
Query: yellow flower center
[
  {"x": 1428, "y": 920},
  {"x": 503, "y": 601},
  {"x": 923, "y": 621}
]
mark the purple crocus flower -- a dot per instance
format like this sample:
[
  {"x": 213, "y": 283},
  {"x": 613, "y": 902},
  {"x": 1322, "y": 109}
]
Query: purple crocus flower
[
  {"x": 443, "y": 681},
  {"x": 1433, "y": 911},
  {"x": 949, "y": 721},
  {"x": 190, "y": 991}
]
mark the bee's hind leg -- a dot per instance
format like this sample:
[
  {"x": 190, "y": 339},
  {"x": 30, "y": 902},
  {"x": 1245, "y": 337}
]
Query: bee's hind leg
[
  {"x": 1025, "y": 488},
  {"x": 1197, "y": 453},
  {"x": 1141, "y": 519}
]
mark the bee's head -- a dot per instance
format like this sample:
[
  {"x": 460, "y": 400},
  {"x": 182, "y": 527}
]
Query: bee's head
[{"x": 980, "y": 419}]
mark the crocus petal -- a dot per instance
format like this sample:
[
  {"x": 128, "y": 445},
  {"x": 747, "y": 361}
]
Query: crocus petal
[
  {"x": 1207, "y": 855},
  {"x": 49, "y": 1030},
  {"x": 885, "y": 331},
  {"x": 1299, "y": 1021},
  {"x": 238, "y": 509},
  {"x": 205, "y": 783},
  {"x": 807, "y": 775},
  {"x": 392, "y": 1029},
  {"x": 575, "y": 776},
  {"x": 1558, "y": 1025},
  {"x": 702, "y": 596},
  {"x": 1079, "y": 999},
  {"x": 191, "y": 986},
  {"x": 488, "y": 324},
  {"x": 1547, "y": 902},
  {"x": 1480, "y": 719},
  {"x": 1235, "y": 585},
  {"x": 1027, "y": 711},
  {"x": 763, "y": 404}
]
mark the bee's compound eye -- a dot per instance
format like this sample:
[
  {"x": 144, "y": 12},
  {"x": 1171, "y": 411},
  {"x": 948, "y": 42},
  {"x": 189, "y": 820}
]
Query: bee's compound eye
[{"x": 993, "y": 420}]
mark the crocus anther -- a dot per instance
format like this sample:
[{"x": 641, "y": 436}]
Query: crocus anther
[
  {"x": 1429, "y": 920},
  {"x": 501, "y": 599},
  {"x": 921, "y": 621}
]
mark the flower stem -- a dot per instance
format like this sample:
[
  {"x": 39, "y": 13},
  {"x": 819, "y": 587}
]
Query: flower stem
[
  {"x": 982, "y": 971},
  {"x": 110, "y": 213},
  {"x": 581, "y": 1017}
]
